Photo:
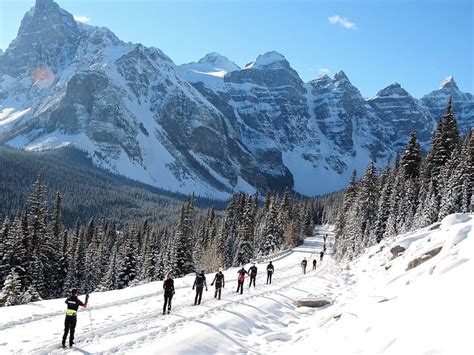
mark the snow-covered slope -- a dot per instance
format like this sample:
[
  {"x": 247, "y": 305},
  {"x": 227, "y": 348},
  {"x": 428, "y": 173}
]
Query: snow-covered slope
[
  {"x": 378, "y": 305},
  {"x": 208, "y": 127}
]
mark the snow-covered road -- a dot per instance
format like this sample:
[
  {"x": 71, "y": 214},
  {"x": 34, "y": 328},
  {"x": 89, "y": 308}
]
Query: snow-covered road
[{"x": 130, "y": 320}]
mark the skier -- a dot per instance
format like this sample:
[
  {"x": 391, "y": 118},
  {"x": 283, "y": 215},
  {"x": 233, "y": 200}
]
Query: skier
[
  {"x": 168, "y": 287},
  {"x": 199, "y": 284},
  {"x": 70, "y": 322},
  {"x": 324, "y": 247},
  {"x": 321, "y": 254},
  {"x": 303, "y": 265},
  {"x": 325, "y": 236},
  {"x": 240, "y": 280},
  {"x": 253, "y": 275},
  {"x": 270, "y": 271},
  {"x": 314, "y": 264},
  {"x": 220, "y": 283}
]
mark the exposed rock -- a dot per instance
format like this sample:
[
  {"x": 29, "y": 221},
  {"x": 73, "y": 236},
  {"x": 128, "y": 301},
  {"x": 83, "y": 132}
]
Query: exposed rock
[
  {"x": 425, "y": 257},
  {"x": 396, "y": 251},
  {"x": 313, "y": 302}
]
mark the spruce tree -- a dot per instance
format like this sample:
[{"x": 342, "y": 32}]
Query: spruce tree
[{"x": 11, "y": 289}]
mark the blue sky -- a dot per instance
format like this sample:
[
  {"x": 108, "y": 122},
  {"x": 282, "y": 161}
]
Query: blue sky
[{"x": 376, "y": 42}]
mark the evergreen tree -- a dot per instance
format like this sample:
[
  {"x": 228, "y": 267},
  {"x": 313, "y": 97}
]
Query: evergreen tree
[
  {"x": 183, "y": 244},
  {"x": 11, "y": 289}
]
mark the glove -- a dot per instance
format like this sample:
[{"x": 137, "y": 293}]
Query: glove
[
  {"x": 206, "y": 289},
  {"x": 173, "y": 292},
  {"x": 193, "y": 287},
  {"x": 212, "y": 284}
]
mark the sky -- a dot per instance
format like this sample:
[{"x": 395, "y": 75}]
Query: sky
[{"x": 375, "y": 42}]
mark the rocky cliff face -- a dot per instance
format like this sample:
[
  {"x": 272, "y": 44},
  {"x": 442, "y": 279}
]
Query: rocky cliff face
[{"x": 208, "y": 127}]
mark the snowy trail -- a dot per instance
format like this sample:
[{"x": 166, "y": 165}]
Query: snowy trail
[{"x": 131, "y": 319}]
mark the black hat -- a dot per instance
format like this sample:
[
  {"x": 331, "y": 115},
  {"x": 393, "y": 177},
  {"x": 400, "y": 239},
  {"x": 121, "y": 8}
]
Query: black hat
[{"x": 73, "y": 291}]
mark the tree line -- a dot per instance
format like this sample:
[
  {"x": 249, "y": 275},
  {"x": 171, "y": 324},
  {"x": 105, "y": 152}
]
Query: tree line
[
  {"x": 41, "y": 259},
  {"x": 418, "y": 191}
]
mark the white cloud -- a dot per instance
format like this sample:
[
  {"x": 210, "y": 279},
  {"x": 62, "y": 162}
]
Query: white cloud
[
  {"x": 83, "y": 19},
  {"x": 324, "y": 71},
  {"x": 342, "y": 21}
]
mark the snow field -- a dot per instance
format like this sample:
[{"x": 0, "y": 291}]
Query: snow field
[
  {"x": 131, "y": 320},
  {"x": 380, "y": 304}
]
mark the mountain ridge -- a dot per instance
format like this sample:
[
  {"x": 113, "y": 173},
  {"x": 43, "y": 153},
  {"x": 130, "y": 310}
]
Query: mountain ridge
[{"x": 208, "y": 127}]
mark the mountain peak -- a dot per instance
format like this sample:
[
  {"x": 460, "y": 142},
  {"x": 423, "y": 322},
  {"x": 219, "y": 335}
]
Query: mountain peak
[
  {"x": 269, "y": 60},
  {"x": 341, "y": 76},
  {"x": 448, "y": 83},
  {"x": 394, "y": 89},
  {"x": 219, "y": 61},
  {"x": 43, "y": 4}
]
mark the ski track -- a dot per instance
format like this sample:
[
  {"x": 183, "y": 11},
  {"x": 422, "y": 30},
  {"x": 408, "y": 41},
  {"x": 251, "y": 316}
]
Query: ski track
[{"x": 146, "y": 324}]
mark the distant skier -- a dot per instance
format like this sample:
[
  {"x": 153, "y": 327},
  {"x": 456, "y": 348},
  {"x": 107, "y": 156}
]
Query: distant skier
[
  {"x": 168, "y": 287},
  {"x": 314, "y": 264},
  {"x": 304, "y": 263},
  {"x": 240, "y": 280},
  {"x": 253, "y": 275},
  {"x": 325, "y": 237},
  {"x": 199, "y": 284},
  {"x": 220, "y": 283},
  {"x": 324, "y": 247},
  {"x": 270, "y": 271},
  {"x": 70, "y": 322},
  {"x": 321, "y": 255}
]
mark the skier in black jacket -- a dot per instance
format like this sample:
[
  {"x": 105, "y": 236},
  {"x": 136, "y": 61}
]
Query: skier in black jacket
[
  {"x": 70, "y": 322},
  {"x": 253, "y": 275},
  {"x": 168, "y": 287},
  {"x": 270, "y": 271},
  {"x": 220, "y": 283},
  {"x": 314, "y": 264},
  {"x": 240, "y": 280},
  {"x": 304, "y": 263},
  {"x": 199, "y": 284},
  {"x": 321, "y": 255}
]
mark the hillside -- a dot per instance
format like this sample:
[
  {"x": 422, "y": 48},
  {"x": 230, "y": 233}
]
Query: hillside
[
  {"x": 87, "y": 191},
  {"x": 388, "y": 301}
]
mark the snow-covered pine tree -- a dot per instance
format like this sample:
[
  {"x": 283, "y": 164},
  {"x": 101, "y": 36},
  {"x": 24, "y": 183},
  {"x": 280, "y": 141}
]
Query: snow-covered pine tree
[
  {"x": 5, "y": 249},
  {"x": 386, "y": 181},
  {"x": 245, "y": 249},
  {"x": 367, "y": 199},
  {"x": 127, "y": 265},
  {"x": 109, "y": 278},
  {"x": 92, "y": 262},
  {"x": 30, "y": 295},
  {"x": 228, "y": 234},
  {"x": 270, "y": 238},
  {"x": 467, "y": 167},
  {"x": 350, "y": 195},
  {"x": 12, "y": 289},
  {"x": 411, "y": 158},
  {"x": 183, "y": 243}
]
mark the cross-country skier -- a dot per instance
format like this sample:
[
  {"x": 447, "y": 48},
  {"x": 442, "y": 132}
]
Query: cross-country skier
[
  {"x": 70, "y": 322},
  {"x": 314, "y": 264},
  {"x": 220, "y": 283},
  {"x": 270, "y": 271},
  {"x": 325, "y": 237},
  {"x": 253, "y": 275},
  {"x": 199, "y": 284},
  {"x": 240, "y": 280},
  {"x": 304, "y": 263},
  {"x": 168, "y": 287},
  {"x": 321, "y": 255}
]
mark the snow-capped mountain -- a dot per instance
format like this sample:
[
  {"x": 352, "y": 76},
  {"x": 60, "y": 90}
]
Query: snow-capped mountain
[{"x": 208, "y": 127}]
